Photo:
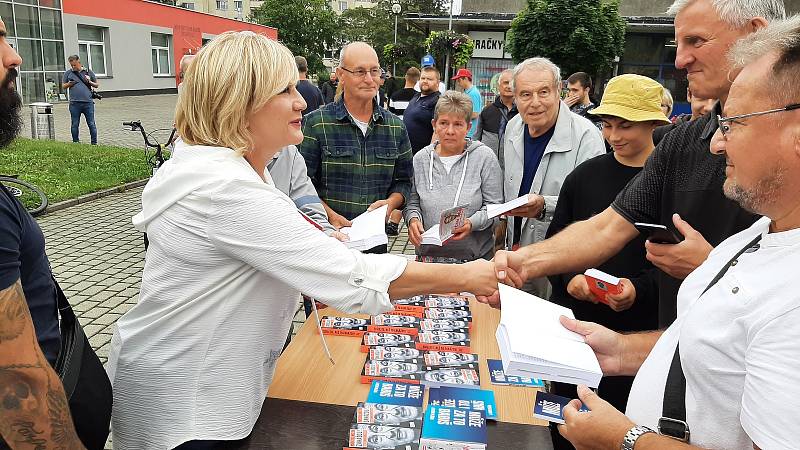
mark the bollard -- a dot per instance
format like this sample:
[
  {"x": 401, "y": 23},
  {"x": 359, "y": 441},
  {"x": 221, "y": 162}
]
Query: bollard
[{"x": 42, "y": 121}]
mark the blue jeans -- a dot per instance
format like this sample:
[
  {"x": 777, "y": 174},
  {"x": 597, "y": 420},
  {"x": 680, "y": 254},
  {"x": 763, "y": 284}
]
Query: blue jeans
[{"x": 75, "y": 111}]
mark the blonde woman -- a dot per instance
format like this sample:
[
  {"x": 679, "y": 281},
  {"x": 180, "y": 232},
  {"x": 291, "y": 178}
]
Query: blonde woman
[{"x": 229, "y": 255}]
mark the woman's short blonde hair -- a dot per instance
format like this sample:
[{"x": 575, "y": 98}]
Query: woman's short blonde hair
[
  {"x": 232, "y": 77},
  {"x": 667, "y": 102},
  {"x": 454, "y": 102}
]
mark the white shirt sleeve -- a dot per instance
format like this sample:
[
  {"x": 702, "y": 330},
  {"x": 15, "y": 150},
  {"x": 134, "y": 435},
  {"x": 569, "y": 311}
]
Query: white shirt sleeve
[
  {"x": 257, "y": 226},
  {"x": 772, "y": 383}
]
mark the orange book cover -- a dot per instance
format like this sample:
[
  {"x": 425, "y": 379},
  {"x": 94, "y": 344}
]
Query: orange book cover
[{"x": 601, "y": 284}]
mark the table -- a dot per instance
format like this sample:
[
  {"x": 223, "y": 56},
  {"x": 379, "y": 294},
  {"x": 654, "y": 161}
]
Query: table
[{"x": 311, "y": 401}]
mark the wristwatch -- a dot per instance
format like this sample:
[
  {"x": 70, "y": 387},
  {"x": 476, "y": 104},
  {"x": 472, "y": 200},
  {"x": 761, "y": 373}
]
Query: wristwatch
[
  {"x": 633, "y": 435},
  {"x": 544, "y": 211}
]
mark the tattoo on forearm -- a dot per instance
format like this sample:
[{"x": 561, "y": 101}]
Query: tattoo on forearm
[
  {"x": 12, "y": 313},
  {"x": 27, "y": 433}
]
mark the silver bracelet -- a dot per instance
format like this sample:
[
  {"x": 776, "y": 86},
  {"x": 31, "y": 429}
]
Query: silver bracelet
[{"x": 633, "y": 435}]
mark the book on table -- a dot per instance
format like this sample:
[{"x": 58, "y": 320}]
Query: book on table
[
  {"x": 495, "y": 210},
  {"x": 395, "y": 393},
  {"x": 382, "y": 437},
  {"x": 371, "y": 339},
  {"x": 343, "y": 326},
  {"x": 533, "y": 343},
  {"x": 388, "y": 414},
  {"x": 449, "y": 220},
  {"x": 462, "y": 375},
  {"x": 368, "y": 230},
  {"x": 471, "y": 399},
  {"x": 453, "y": 428},
  {"x": 498, "y": 376},
  {"x": 394, "y": 323}
]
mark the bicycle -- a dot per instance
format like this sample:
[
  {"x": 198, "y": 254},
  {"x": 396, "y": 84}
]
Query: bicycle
[
  {"x": 156, "y": 160},
  {"x": 33, "y": 198}
]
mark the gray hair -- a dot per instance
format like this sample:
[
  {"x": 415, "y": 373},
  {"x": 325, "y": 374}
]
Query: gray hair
[
  {"x": 454, "y": 102},
  {"x": 537, "y": 63},
  {"x": 302, "y": 64},
  {"x": 73, "y": 58},
  {"x": 781, "y": 37},
  {"x": 737, "y": 13}
]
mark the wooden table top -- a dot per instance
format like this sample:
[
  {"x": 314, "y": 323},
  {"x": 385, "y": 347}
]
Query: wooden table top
[{"x": 304, "y": 372}]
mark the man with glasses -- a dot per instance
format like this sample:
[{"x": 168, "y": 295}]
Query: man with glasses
[
  {"x": 681, "y": 183},
  {"x": 358, "y": 154},
  {"x": 729, "y": 367}
]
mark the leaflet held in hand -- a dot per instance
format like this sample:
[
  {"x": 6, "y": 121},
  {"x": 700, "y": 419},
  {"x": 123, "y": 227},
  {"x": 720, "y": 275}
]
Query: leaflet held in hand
[
  {"x": 496, "y": 210},
  {"x": 533, "y": 343},
  {"x": 368, "y": 230},
  {"x": 449, "y": 220}
]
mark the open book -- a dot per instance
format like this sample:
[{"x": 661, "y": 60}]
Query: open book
[
  {"x": 368, "y": 230},
  {"x": 496, "y": 210},
  {"x": 449, "y": 220},
  {"x": 533, "y": 343}
]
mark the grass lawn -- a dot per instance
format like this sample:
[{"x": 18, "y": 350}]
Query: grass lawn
[{"x": 66, "y": 170}]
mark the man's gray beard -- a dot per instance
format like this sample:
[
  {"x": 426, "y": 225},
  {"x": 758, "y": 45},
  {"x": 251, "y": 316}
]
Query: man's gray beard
[{"x": 763, "y": 194}]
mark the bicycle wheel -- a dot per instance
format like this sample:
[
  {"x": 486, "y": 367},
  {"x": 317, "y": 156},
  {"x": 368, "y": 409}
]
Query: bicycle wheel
[{"x": 34, "y": 200}]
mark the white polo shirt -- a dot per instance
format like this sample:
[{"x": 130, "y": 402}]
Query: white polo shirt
[{"x": 740, "y": 347}]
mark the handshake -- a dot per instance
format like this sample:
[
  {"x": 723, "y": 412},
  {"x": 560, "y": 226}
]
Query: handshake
[{"x": 483, "y": 276}]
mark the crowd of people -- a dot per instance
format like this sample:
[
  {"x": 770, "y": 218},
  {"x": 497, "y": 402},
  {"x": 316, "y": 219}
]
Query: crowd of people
[{"x": 249, "y": 213}]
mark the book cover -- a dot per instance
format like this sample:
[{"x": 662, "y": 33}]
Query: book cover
[
  {"x": 386, "y": 339},
  {"x": 395, "y": 393},
  {"x": 417, "y": 300},
  {"x": 447, "y": 427},
  {"x": 444, "y": 313},
  {"x": 381, "y": 437},
  {"x": 343, "y": 326},
  {"x": 408, "y": 310},
  {"x": 550, "y": 407},
  {"x": 387, "y": 414},
  {"x": 465, "y": 376},
  {"x": 397, "y": 371},
  {"x": 601, "y": 284},
  {"x": 385, "y": 323},
  {"x": 447, "y": 301},
  {"x": 456, "y": 341},
  {"x": 498, "y": 376},
  {"x": 439, "y": 359},
  {"x": 394, "y": 353},
  {"x": 443, "y": 324},
  {"x": 472, "y": 399}
]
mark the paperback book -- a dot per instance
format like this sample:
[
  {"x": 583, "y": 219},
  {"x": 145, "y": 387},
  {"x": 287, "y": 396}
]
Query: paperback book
[
  {"x": 453, "y": 428},
  {"x": 443, "y": 324},
  {"x": 367, "y": 230},
  {"x": 601, "y": 284},
  {"x": 449, "y": 220},
  {"x": 381, "y": 437},
  {"x": 499, "y": 377},
  {"x": 386, "y": 339},
  {"x": 386, "y": 323},
  {"x": 464, "y": 375},
  {"x": 408, "y": 310},
  {"x": 550, "y": 407},
  {"x": 387, "y": 414},
  {"x": 447, "y": 314},
  {"x": 471, "y": 399},
  {"x": 397, "y": 371},
  {"x": 394, "y": 353},
  {"x": 395, "y": 393},
  {"x": 441, "y": 359},
  {"x": 343, "y": 326},
  {"x": 456, "y": 341},
  {"x": 449, "y": 302}
]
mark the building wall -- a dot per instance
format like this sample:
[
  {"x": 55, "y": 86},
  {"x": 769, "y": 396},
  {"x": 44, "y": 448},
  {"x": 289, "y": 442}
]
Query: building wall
[
  {"x": 128, "y": 25},
  {"x": 229, "y": 9},
  {"x": 496, "y": 6},
  {"x": 342, "y": 5}
]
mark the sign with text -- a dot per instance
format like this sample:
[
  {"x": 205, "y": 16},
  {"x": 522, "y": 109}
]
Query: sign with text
[{"x": 489, "y": 44}]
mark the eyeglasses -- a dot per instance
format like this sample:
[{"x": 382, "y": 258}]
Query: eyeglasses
[
  {"x": 361, "y": 73},
  {"x": 725, "y": 127}
]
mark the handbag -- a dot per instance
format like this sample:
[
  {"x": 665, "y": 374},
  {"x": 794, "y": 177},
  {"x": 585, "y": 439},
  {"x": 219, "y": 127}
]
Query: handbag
[
  {"x": 86, "y": 384},
  {"x": 95, "y": 94}
]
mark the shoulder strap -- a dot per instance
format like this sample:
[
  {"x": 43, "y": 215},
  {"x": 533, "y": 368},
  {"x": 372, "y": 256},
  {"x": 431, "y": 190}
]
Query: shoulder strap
[
  {"x": 673, "y": 409},
  {"x": 68, "y": 364},
  {"x": 83, "y": 80}
]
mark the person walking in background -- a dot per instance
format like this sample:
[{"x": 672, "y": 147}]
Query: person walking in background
[
  {"x": 311, "y": 94},
  {"x": 399, "y": 100},
  {"x": 463, "y": 79},
  {"x": 329, "y": 88},
  {"x": 418, "y": 116},
  {"x": 450, "y": 172},
  {"x": 495, "y": 116},
  {"x": 80, "y": 81}
]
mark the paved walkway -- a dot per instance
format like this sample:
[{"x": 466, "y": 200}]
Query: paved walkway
[{"x": 154, "y": 111}]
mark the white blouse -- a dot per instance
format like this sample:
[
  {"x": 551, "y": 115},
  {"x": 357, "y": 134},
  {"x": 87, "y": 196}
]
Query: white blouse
[{"x": 229, "y": 255}]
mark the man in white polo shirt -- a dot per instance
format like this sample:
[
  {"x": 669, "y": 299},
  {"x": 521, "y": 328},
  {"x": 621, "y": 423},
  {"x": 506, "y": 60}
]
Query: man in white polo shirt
[{"x": 737, "y": 328}]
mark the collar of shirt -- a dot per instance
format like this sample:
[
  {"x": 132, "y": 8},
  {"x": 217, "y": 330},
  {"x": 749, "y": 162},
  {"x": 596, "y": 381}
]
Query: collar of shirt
[
  {"x": 711, "y": 124},
  {"x": 342, "y": 115}
]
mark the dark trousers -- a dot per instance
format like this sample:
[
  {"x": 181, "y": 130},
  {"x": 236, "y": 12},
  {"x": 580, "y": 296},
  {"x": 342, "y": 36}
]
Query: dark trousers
[{"x": 75, "y": 111}]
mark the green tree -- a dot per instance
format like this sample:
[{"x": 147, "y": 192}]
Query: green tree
[
  {"x": 375, "y": 26},
  {"x": 577, "y": 35},
  {"x": 307, "y": 28}
]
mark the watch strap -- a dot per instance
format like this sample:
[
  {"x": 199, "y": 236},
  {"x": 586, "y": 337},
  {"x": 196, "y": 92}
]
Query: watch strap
[{"x": 633, "y": 435}]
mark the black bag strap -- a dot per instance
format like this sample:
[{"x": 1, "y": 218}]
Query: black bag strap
[
  {"x": 68, "y": 364},
  {"x": 83, "y": 79},
  {"x": 673, "y": 409}
]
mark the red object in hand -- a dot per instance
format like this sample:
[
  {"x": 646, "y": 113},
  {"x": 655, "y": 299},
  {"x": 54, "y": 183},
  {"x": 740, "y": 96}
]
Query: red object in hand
[{"x": 601, "y": 284}]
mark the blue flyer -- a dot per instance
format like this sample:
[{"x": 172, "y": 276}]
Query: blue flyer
[
  {"x": 472, "y": 399},
  {"x": 550, "y": 407}
]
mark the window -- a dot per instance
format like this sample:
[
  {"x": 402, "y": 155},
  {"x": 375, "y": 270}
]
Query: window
[
  {"x": 222, "y": 5},
  {"x": 188, "y": 5},
  {"x": 92, "y": 49},
  {"x": 237, "y": 5},
  {"x": 342, "y": 6},
  {"x": 159, "y": 48}
]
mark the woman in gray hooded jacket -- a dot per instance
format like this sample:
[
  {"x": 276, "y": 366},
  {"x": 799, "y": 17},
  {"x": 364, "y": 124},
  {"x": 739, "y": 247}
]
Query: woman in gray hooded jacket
[{"x": 454, "y": 171}]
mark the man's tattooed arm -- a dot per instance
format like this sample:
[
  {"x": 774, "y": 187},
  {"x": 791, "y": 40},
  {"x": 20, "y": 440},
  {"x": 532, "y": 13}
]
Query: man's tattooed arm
[{"x": 34, "y": 413}]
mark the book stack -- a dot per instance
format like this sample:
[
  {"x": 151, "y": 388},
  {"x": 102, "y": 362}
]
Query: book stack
[
  {"x": 390, "y": 419},
  {"x": 453, "y": 428},
  {"x": 433, "y": 369},
  {"x": 498, "y": 376},
  {"x": 469, "y": 399}
]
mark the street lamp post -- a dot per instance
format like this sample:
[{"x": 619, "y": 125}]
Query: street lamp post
[
  {"x": 396, "y": 8},
  {"x": 447, "y": 56}
]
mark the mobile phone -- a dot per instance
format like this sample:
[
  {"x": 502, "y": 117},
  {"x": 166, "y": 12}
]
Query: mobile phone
[{"x": 658, "y": 234}]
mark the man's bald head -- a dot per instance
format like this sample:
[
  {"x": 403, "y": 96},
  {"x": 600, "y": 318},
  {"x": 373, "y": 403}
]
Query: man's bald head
[
  {"x": 184, "y": 64},
  {"x": 359, "y": 72},
  {"x": 355, "y": 52}
]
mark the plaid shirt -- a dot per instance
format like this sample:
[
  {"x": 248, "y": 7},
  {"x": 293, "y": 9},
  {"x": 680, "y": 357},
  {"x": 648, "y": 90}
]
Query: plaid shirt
[{"x": 349, "y": 170}]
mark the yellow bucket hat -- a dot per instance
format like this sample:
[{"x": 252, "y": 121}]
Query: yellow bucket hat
[{"x": 635, "y": 98}]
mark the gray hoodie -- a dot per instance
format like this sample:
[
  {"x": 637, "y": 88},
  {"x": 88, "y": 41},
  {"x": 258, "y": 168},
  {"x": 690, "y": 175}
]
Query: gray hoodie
[{"x": 483, "y": 185}]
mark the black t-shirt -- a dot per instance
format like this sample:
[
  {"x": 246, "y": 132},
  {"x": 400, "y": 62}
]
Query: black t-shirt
[
  {"x": 22, "y": 257},
  {"x": 399, "y": 100},
  {"x": 587, "y": 191},
  {"x": 683, "y": 176},
  {"x": 311, "y": 94},
  {"x": 417, "y": 117}
]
